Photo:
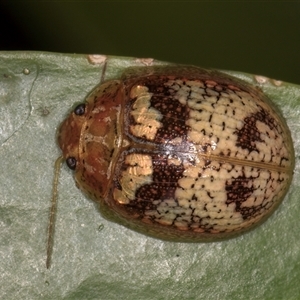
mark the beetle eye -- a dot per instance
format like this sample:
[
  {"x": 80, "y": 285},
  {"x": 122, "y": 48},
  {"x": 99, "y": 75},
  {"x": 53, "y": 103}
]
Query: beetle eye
[
  {"x": 79, "y": 109},
  {"x": 71, "y": 162}
]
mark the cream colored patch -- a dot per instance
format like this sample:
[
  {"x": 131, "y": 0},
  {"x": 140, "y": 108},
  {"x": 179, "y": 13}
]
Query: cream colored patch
[
  {"x": 145, "y": 61},
  {"x": 88, "y": 138},
  {"x": 176, "y": 141},
  {"x": 146, "y": 117},
  {"x": 96, "y": 59},
  {"x": 138, "y": 173},
  {"x": 99, "y": 109},
  {"x": 174, "y": 161}
]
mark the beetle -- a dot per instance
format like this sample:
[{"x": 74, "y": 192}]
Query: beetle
[{"x": 180, "y": 153}]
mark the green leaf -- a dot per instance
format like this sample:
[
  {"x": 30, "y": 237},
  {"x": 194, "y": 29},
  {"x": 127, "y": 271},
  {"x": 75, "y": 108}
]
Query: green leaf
[{"x": 37, "y": 91}]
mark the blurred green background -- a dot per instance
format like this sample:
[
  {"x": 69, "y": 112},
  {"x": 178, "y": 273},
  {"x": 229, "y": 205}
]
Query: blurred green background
[{"x": 259, "y": 37}]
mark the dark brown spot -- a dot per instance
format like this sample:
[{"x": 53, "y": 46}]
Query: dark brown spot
[{"x": 249, "y": 135}]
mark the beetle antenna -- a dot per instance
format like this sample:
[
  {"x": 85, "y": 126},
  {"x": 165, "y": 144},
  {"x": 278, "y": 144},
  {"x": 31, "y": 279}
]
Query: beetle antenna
[{"x": 52, "y": 215}]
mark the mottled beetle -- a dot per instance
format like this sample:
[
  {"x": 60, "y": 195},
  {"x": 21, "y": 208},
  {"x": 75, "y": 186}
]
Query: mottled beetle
[{"x": 180, "y": 153}]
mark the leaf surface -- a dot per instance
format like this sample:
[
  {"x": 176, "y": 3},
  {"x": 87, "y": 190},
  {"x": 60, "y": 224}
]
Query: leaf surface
[{"x": 94, "y": 258}]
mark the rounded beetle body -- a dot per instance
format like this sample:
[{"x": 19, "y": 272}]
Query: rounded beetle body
[{"x": 180, "y": 153}]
